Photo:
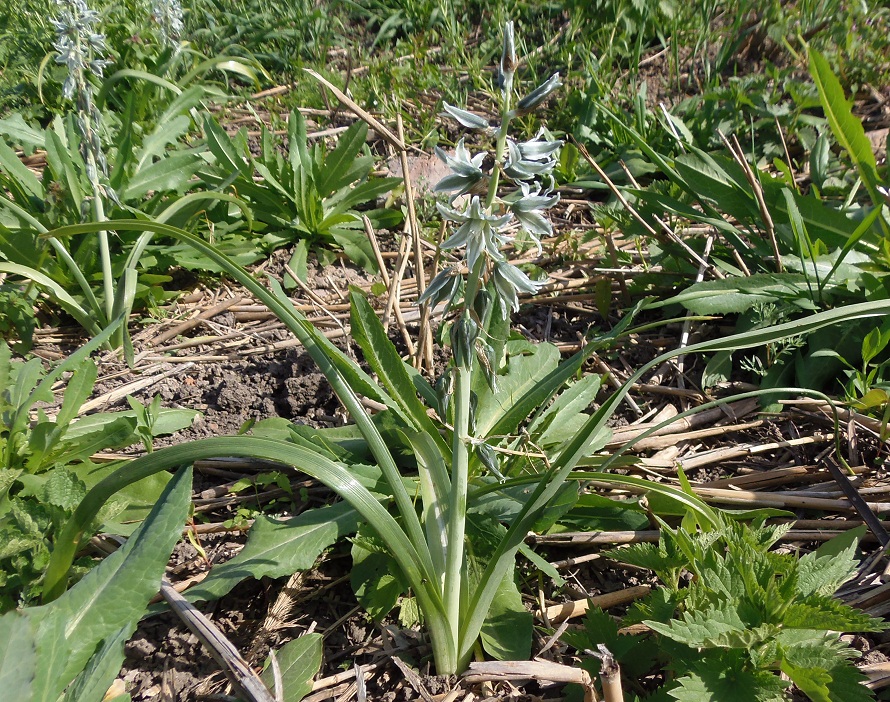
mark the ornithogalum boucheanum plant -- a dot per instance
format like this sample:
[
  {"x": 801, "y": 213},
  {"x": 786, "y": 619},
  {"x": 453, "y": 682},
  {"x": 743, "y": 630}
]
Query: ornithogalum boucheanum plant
[{"x": 449, "y": 478}]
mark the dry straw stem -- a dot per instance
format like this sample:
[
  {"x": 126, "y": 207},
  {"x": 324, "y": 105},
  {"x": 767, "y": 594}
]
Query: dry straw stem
[
  {"x": 498, "y": 671},
  {"x": 352, "y": 105},
  {"x": 223, "y": 651},
  {"x": 749, "y": 498},
  {"x": 560, "y": 612},
  {"x": 736, "y": 150},
  {"x": 637, "y": 216},
  {"x": 188, "y": 324}
]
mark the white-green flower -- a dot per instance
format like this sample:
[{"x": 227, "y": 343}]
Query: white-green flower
[
  {"x": 466, "y": 170},
  {"x": 530, "y": 160},
  {"x": 478, "y": 231},
  {"x": 509, "y": 281},
  {"x": 168, "y": 15},
  {"x": 529, "y": 210},
  {"x": 538, "y": 95}
]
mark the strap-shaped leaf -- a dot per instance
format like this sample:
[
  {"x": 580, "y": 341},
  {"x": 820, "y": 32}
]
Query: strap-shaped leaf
[
  {"x": 381, "y": 355},
  {"x": 846, "y": 128},
  {"x": 340, "y": 160}
]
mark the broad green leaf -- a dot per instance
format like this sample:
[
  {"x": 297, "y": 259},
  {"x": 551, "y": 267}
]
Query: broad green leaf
[
  {"x": 717, "y": 370},
  {"x": 375, "y": 579},
  {"x": 95, "y": 679},
  {"x": 18, "y": 656},
  {"x": 17, "y": 176},
  {"x": 115, "y": 594},
  {"x": 356, "y": 246},
  {"x": 154, "y": 145},
  {"x": 170, "y": 174},
  {"x": 566, "y": 415},
  {"x": 337, "y": 163},
  {"x": 276, "y": 548},
  {"x": 61, "y": 163},
  {"x": 366, "y": 192},
  {"x": 527, "y": 366},
  {"x": 223, "y": 148},
  {"x": 299, "y": 661},
  {"x": 734, "y": 295},
  {"x": 20, "y": 132},
  {"x": 825, "y": 612},
  {"x": 507, "y": 632}
]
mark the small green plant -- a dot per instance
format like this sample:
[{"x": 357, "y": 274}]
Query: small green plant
[
  {"x": 46, "y": 466},
  {"x": 308, "y": 197},
  {"x": 732, "y": 615},
  {"x": 73, "y": 648}
]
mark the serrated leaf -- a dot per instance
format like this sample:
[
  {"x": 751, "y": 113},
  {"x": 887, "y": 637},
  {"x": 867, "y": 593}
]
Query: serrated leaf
[
  {"x": 729, "y": 686},
  {"x": 824, "y": 570},
  {"x": 64, "y": 489},
  {"x": 299, "y": 661},
  {"x": 823, "y": 612},
  {"x": 702, "y": 628},
  {"x": 276, "y": 548}
]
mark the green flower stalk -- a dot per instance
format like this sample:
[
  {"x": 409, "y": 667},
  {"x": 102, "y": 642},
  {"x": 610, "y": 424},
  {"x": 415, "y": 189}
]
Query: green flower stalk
[
  {"x": 484, "y": 226},
  {"x": 168, "y": 16},
  {"x": 81, "y": 49}
]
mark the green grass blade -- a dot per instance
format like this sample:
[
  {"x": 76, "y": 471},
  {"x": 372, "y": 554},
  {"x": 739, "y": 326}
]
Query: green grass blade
[
  {"x": 381, "y": 355},
  {"x": 847, "y": 129}
]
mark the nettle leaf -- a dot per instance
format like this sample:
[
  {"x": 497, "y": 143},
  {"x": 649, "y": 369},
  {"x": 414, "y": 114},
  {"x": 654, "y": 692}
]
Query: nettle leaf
[
  {"x": 729, "y": 686},
  {"x": 64, "y": 489},
  {"x": 824, "y": 612},
  {"x": 710, "y": 627},
  {"x": 822, "y": 671},
  {"x": 824, "y": 570}
]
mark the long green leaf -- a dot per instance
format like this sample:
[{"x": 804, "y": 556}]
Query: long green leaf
[
  {"x": 338, "y": 162},
  {"x": 276, "y": 548},
  {"x": 381, "y": 355},
  {"x": 19, "y": 178},
  {"x": 846, "y": 128},
  {"x": 18, "y": 656},
  {"x": 83, "y": 316},
  {"x": 318, "y": 347}
]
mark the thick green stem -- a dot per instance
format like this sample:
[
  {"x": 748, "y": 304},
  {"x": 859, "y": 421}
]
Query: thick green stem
[{"x": 460, "y": 462}]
